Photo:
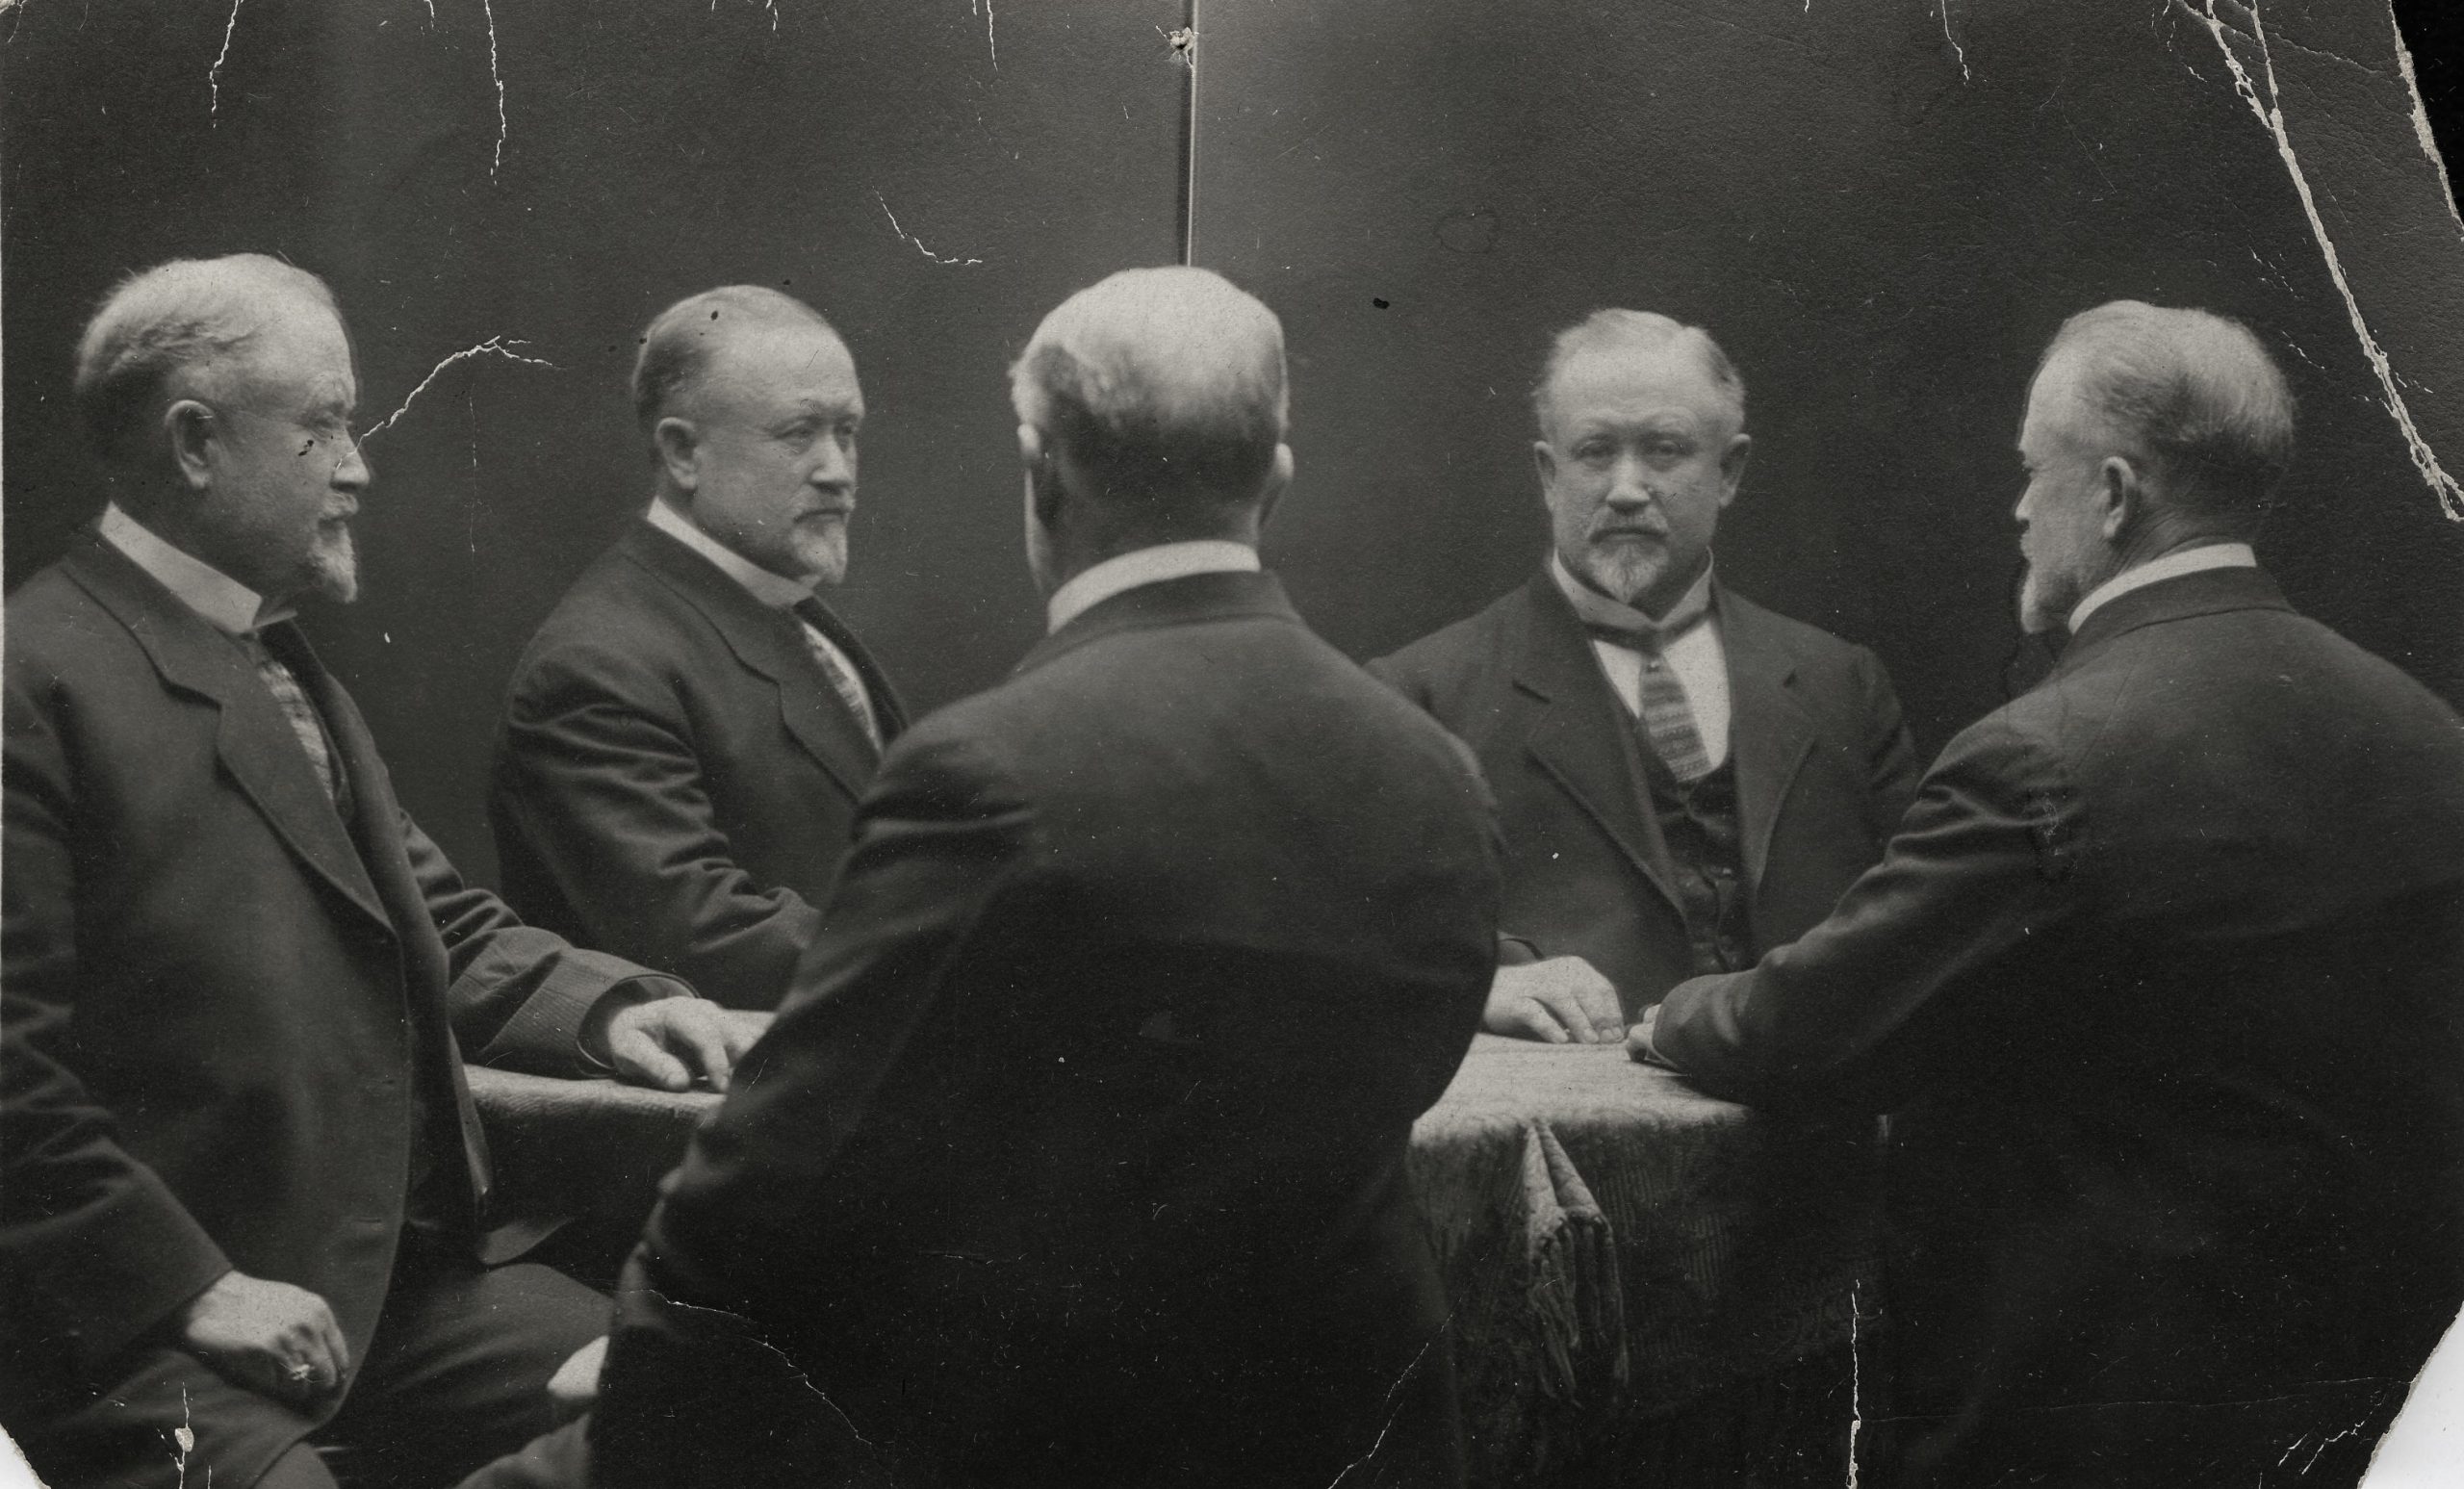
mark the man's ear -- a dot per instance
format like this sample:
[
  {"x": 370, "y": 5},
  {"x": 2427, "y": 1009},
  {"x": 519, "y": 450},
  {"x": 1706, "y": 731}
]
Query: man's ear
[
  {"x": 1543, "y": 460},
  {"x": 678, "y": 445},
  {"x": 2123, "y": 497},
  {"x": 190, "y": 426},
  {"x": 1732, "y": 459},
  {"x": 1042, "y": 465},
  {"x": 1279, "y": 481}
]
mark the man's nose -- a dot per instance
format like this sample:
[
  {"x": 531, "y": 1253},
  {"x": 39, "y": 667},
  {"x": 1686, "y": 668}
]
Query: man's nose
[
  {"x": 1626, "y": 488},
  {"x": 352, "y": 471},
  {"x": 835, "y": 468}
]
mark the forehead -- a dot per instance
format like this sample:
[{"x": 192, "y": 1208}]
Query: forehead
[
  {"x": 1636, "y": 383},
  {"x": 765, "y": 367},
  {"x": 299, "y": 356}
]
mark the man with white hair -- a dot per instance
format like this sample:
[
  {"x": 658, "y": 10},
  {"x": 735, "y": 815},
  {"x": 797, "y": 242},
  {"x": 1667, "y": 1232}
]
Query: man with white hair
[
  {"x": 2163, "y": 981},
  {"x": 1685, "y": 778},
  {"x": 244, "y": 1213},
  {"x": 685, "y": 738},
  {"x": 1076, "y": 1154}
]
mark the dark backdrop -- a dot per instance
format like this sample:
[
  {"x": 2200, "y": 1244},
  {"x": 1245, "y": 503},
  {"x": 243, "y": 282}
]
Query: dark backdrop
[
  {"x": 1882, "y": 220},
  {"x": 1882, "y": 241},
  {"x": 649, "y": 148}
]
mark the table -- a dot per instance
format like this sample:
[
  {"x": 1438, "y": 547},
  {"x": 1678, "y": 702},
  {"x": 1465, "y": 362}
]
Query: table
[{"x": 1650, "y": 1286}]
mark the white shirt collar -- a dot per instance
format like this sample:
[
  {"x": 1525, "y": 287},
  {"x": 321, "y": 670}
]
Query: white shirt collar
[
  {"x": 1598, "y": 609},
  {"x": 2174, "y": 565},
  {"x": 1143, "y": 566},
  {"x": 775, "y": 590},
  {"x": 229, "y": 604}
]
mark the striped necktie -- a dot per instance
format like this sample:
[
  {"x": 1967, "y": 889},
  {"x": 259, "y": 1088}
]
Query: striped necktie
[
  {"x": 1666, "y": 717},
  {"x": 813, "y": 620},
  {"x": 283, "y": 683}
]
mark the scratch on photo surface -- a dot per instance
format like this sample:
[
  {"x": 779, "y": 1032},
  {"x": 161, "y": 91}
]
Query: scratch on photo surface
[
  {"x": 1956, "y": 50},
  {"x": 2268, "y": 108},
  {"x": 910, "y": 238},
  {"x": 1856, "y": 1377},
  {"x": 1393, "y": 1411},
  {"x": 495, "y": 75},
  {"x": 983, "y": 8},
  {"x": 183, "y": 1444},
  {"x": 744, "y": 1331},
  {"x": 496, "y": 346},
  {"x": 213, "y": 74}
]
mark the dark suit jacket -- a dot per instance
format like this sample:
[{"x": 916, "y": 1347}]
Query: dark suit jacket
[
  {"x": 676, "y": 777},
  {"x": 224, "y": 1007},
  {"x": 1077, "y": 1154},
  {"x": 1824, "y": 769},
  {"x": 2165, "y": 978}
]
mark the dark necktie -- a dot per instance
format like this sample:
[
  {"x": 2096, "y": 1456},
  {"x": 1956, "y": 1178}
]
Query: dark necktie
[{"x": 815, "y": 626}]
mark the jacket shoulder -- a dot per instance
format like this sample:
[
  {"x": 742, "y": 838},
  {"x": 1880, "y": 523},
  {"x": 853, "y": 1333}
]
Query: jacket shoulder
[
  {"x": 1809, "y": 644},
  {"x": 1449, "y": 654},
  {"x": 615, "y": 615}
]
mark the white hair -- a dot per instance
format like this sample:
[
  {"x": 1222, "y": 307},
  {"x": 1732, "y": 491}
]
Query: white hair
[
  {"x": 1159, "y": 381},
  {"x": 2192, "y": 394},
  {"x": 177, "y": 323}
]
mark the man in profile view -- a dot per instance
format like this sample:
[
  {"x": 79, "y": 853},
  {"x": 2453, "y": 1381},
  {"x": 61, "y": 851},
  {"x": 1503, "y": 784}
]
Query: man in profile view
[
  {"x": 685, "y": 737},
  {"x": 2161, "y": 980}
]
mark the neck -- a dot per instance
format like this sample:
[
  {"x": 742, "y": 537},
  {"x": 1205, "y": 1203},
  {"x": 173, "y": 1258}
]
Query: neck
[
  {"x": 168, "y": 521},
  {"x": 1076, "y": 547},
  {"x": 2162, "y": 540}
]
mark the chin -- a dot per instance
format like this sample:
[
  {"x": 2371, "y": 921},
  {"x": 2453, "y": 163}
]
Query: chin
[
  {"x": 823, "y": 558},
  {"x": 1620, "y": 574},
  {"x": 333, "y": 572}
]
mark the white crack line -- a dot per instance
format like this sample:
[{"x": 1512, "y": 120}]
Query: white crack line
[
  {"x": 2271, "y": 113},
  {"x": 985, "y": 7},
  {"x": 431, "y": 14},
  {"x": 213, "y": 74},
  {"x": 497, "y": 345},
  {"x": 1398, "y": 1412},
  {"x": 2421, "y": 122},
  {"x": 913, "y": 238},
  {"x": 1856, "y": 1377},
  {"x": 497, "y": 76},
  {"x": 1958, "y": 51}
]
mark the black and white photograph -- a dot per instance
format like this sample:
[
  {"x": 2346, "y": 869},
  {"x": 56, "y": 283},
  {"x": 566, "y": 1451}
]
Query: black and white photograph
[{"x": 1231, "y": 744}]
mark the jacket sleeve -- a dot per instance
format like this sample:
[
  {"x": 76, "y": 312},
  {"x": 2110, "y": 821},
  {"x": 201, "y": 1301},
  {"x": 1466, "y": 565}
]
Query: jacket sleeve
[
  {"x": 1954, "y": 942},
  {"x": 517, "y": 995},
  {"x": 94, "y": 1249},
  {"x": 691, "y": 1387},
  {"x": 598, "y": 784},
  {"x": 1890, "y": 755}
]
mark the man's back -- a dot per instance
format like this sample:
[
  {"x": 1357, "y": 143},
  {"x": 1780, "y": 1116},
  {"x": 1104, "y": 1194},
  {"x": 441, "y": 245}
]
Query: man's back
[
  {"x": 1080, "y": 1149},
  {"x": 2217, "y": 1116}
]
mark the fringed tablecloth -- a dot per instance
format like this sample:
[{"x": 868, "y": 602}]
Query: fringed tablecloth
[{"x": 1650, "y": 1286}]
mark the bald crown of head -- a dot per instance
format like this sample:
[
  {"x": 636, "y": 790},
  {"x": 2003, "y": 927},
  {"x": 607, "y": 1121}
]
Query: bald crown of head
[
  {"x": 1160, "y": 386},
  {"x": 179, "y": 329},
  {"x": 2191, "y": 398}
]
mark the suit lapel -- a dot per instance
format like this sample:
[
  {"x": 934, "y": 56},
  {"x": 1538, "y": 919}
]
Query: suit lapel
[
  {"x": 1769, "y": 732},
  {"x": 1579, "y": 737},
  {"x": 769, "y": 644},
  {"x": 252, "y": 737}
]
